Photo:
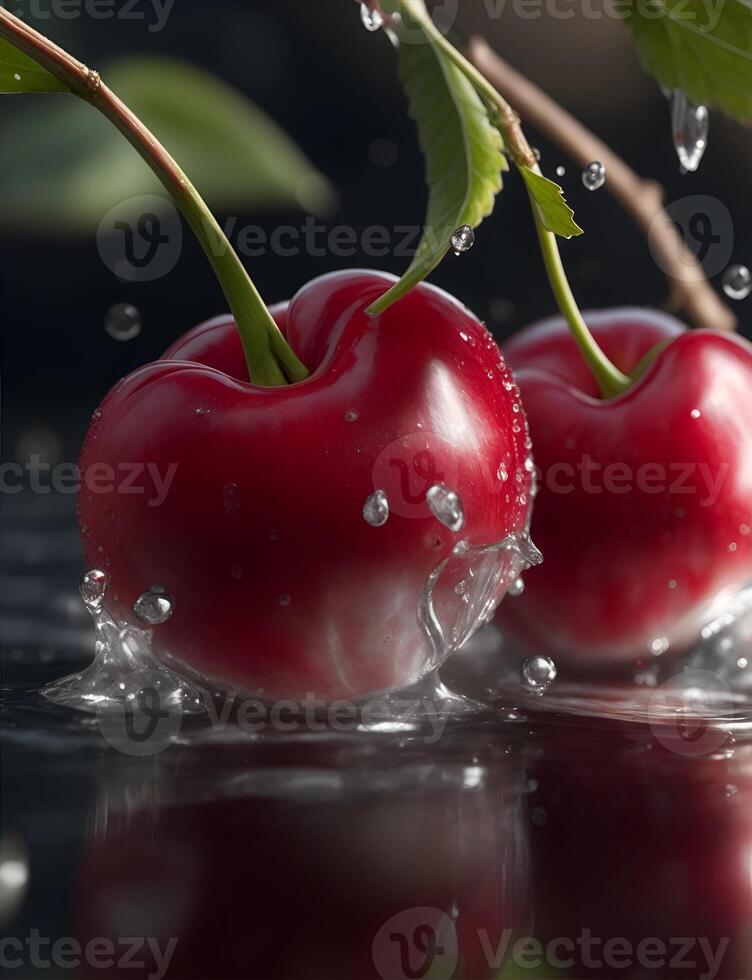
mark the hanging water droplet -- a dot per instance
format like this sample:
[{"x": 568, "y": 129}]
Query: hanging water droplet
[
  {"x": 594, "y": 175},
  {"x": 689, "y": 128},
  {"x": 463, "y": 239},
  {"x": 373, "y": 19},
  {"x": 737, "y": 282},
  {"x": 123, "y": 322},
  {"x": 516, "y": 588},
  {"x": 155, "y": 606},
  {"x": 537, "y": 674},
  {"x": 376, "y": 509},
  {"x": 93, "y": 588},
  {"x": 446, "y": 507},
  {"x": 561, "y": 171}
]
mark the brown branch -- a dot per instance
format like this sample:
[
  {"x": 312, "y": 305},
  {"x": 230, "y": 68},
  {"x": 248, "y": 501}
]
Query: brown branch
[{"x": 643, "y": 199}]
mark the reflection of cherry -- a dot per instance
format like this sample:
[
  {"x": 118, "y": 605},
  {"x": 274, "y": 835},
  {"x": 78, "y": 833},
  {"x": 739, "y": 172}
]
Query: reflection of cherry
[
  {"x": 633, "y": 839},
  {"x": 295, "y": 880}
]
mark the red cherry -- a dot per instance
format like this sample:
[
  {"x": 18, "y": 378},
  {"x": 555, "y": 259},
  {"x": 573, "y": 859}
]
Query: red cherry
[
  {"x": 645, "y": 503},
  {"x": 279, "y": 582}
]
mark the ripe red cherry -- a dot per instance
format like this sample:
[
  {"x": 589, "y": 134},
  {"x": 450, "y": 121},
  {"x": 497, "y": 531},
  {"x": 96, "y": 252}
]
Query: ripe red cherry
[
  {"x": 279, "y": 582},
  {"x": 645, "y": 503}
]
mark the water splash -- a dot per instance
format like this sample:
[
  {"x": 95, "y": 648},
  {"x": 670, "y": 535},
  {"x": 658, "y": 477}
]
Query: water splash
[
  {"x": 462, "y": 593},
  {"x": 689, "y": 128},
  {"x": 124, "y": 667}
]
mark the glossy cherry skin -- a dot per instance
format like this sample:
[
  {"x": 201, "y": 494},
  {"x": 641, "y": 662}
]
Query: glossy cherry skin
[
  {"x": 280, "y": 584},
  {"x": 639, "y": 549}
]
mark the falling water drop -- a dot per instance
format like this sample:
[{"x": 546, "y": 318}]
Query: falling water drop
[
  {"x": 463, "y": 239},
  {"x": 537, "y": 674},
  {"x": 123, "y": 322},
  {"x": 446, "y": 506},
  {"x": 737, "y": 282},
  {"x": 376, "y": 509},
  {"x": 594, "y": 175},
  {"x": 689, "y": 128},
  {"x": 155, "y": 606},
  {"x": 93, "y": 588},
  {"x": 561, "y": 171},
  {"x": 371, "y": 16}
]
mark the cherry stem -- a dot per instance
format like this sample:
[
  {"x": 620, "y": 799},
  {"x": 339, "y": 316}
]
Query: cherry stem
[
  {"x": 271, "y": 361},
  {"x": 611, "y": 381}
]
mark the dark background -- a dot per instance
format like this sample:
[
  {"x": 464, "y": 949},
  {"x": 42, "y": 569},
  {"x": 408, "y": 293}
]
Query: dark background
[{"x": 333, "y": 87}]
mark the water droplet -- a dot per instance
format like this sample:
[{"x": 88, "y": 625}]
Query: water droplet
[
  {"x": 93, "y": 588},
  {"x": 123, "y": 322},
  {"x": 744, "y": 529},
  {"x": 17, "y": 76},
  {"x": 231, "y": 499},
  {"x": 274, "y": 535},
  {"x": 203, "y": 411},
  {"x": 732, "y": 547},
  {"x": 285, "y": 599},
  {"x": 529, "y": 464},
  {"x": 561, "y": 171},
  {"x": 463, "y": 239},
  {"x": 695, "y": 413},
  {"x": 689, "y": 128},
  {"x": 672, "y": 583},
  {"x": 502, "y": 473},
  {"x": 446, "y": 506},
  {"x": 351, "y": 415},
  {"x": 516, "y": 588},
  {"x": 155, "y": 606},
  {"x": 737, "y": 282},
  {"x": 371, "y": 16},
  {"x": 376, "y": 509},
  {"x": 731, "y": 790},
  {"x": 658, "y": 645},
  {"x": 594, "y": 175},
  {"x": 236, "y": 572},
  {"x": 537, "y": 674}
]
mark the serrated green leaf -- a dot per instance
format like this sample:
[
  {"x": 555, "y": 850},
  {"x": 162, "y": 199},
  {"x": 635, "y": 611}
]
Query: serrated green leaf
[
  {"x": 64, "y": 166},
  {"x": 18, "y": 73},
  {"x": 463, "y": 151},
  {"x": 703, "y": 48},
  {"x": 556, "y": 214}
]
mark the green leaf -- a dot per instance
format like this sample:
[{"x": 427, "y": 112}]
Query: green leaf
[
  {"x": 555, "y": 213},
  {"x": 64, "y": 166},
  {"x": 702, "y": 48},
  {"x": 463, "y": 151},
  {"x": 18, "y": 73}
]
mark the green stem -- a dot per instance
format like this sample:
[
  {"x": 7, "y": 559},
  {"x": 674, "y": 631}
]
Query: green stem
[
  {"x": 270, "y": 360},
  {"x": 610, "y": 379}
]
